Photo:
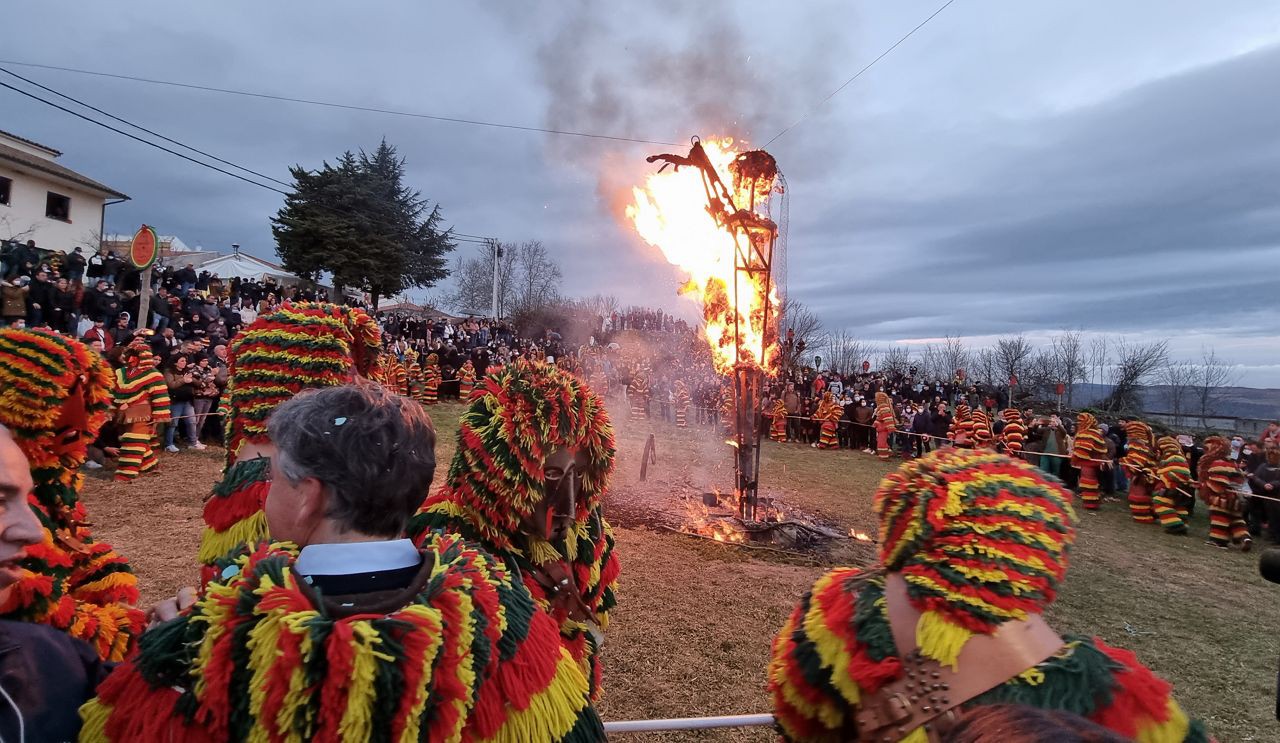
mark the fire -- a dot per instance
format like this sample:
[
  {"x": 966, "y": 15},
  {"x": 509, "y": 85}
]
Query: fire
[
  {"x": 861, "y": 536},
  {"x": 671, "y": 212}
]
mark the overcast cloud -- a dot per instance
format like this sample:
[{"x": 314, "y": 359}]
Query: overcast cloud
[{"x": 1013, "y": 167}]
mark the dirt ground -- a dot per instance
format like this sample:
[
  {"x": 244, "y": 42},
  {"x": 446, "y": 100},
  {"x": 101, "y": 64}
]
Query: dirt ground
[{"x": 695, "y": 619}]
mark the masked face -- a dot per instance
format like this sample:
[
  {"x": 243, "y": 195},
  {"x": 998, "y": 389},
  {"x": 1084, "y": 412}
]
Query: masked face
[
  {"x": 69, "y": 441},
  {"x": 553, "y": 515}
]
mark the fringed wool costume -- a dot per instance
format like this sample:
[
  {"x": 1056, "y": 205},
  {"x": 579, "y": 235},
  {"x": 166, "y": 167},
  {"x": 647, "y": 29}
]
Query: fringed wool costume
[
  {"x": 431, "y": 380},
  {"x": 1014, "y": 433},
  {"x": 681, "y": 404},
  {"x": 1220, "y": 485},
  {"x": 1171, "y": 504},
  {"x": 728, "y": 407},
  {"x": 638, "y": 395},
  {"x": 969, "y": 542},
  {"x": 416, "y": 387},
  {"x": 55, "y": 394},
  {"x": 466, "y": 380},
  {"x": 143, "y": 401},
  {"x": 886, "y": 423},
  {"x": 264, "y": 656},
  {"x": 1088, "y": 451},
  {"x": 496, "y": 479},
  {"x": 961, "y": 432},
  {"x": 778, "y": 421},
  {"x": 980, "y": 432},
  {"x": 1139, "y": 465},
  {"x": 298, "y": 347},
  {"x": 828, "y": 416}
]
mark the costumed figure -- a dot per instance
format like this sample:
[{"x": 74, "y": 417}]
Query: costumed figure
[
  {"x": 961, "y": 432},
  {"x": 1088, "y": 452},
  {"x": 142, "y": 403},
  {"x": 638, "y": 394},
  {"x": 359, "y": 636},
  {"x": 1222, "y": 486},
  {"x": 886, "y": 423},
  {"x": 535, "y": 453},
  {"x": 728, "y": 408},
  {"x": 1171, "y": 503},
  {"x": 681, "y": 403},
  {"x": 297, "y": 347},
  {"x": 399, "y": 376},
  {"x": 55, "y": 394},
  {"x": 980, "y": 432},
  {"x": 417, "y": 388},
  {"x": 1139, "y": 465},
  {"x": 599, "y": 381},
  {"x": 466, "y": 380},
  {"x": 778, "y": 421},
  {"x": 973, "y": 546},
  {"x": 431, "y": 380},
  {"x": 1014, "y": 433},
  {"x": 828, "y": 415}
]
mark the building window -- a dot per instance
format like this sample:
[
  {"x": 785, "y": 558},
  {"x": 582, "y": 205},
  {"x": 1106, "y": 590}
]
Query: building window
[
  {"x": 6, "y": 185},
  {"x": 58, "y": 207}
]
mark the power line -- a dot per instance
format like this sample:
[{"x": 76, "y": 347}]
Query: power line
[
  {"x": 148, "y": 142},
  {"x": 332, "y": 104},
  {"x": 857, "y": 75},
  {"x": 143, "y": 128}
]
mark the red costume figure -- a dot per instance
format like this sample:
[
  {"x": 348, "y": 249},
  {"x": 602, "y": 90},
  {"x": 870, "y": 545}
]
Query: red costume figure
[
  {"x": 599, "y": 381},
  {"x": 1174, "y": 477},
  {"x": 638, "y": 395},
  {"x": 466, "y": 380},
  {"x": 886, "y": 423},
  {"x": 961, "y": 433},
  {"x": 1139, "y": 465},
  {"x": 534, "y": 458},
  {"x": 55, "y": 394},
  {"x": 681, "y": 404},
  {"x": 414, "y": 375},
  {"x": 778, "y": 421},
  {"x": 980, "y": 432},
  {"x": 1221, "y": 485},
  {"x": 1014, "y": 433},
  {"x": 142, "y": 402},
  {"x": 828, "y": 416},
  {"x": 1088, "y": 452},
  {"x": 972, "y": 548},
  {"x": 431, "y": 380}
]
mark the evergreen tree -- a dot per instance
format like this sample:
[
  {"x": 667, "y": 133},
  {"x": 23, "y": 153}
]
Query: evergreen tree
[{"x": 359, "y": 222}]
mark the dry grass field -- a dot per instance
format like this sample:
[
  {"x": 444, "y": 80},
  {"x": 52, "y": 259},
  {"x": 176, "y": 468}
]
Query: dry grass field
[{"x": 691, "y": 634}]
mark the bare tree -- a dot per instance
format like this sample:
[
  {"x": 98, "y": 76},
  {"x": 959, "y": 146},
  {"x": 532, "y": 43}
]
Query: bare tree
[
  {"x": 1012, "y": 354},
  {"x": 805, "y": 326},
  {"x": 1213, "y": 376},
  {"x": 1179, "y": 377},
  {"x": 1099, "y": 359},
  {"x": 536, "y": 279},
  {"x": 845, "y": 353},
  {"x": 1134, "y": 364},
  {"x": 473, "y": 279},
  {"x": 1069, "y": 361},
  {"x": 12, "y": 232},
  {"x": 895, "y": 359},
  {"x": 986, "y": 367}
]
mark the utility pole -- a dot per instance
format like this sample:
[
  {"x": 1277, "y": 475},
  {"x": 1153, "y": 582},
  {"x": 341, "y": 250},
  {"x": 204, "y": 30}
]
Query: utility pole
[{"x": 497, "y": 260}]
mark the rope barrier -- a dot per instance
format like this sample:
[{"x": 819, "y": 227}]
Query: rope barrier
[{"x": 688, "y": 723}]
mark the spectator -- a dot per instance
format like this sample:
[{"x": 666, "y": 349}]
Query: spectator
[
  {"x": 160, "y": 309},
  {"x": 120, "y": 332},
  {"x": 39, "y": 299},
  {"x": 13, "y": 299},
  {"x": 181, "y": 383},
  {"x": 98, "y": 337},
  {"x": 75, "y": 266},
  {"x": 111, "y": 266},
  {"x": 186, "y": 279},
  {"x": 206, "y": 393},
  {"x": 96, "y": 264},
  {"x": 62, "y": 317}
]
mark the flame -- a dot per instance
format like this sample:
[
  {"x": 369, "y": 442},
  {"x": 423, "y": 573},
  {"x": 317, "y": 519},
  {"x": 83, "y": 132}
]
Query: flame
[
  {"x": 861, "y": 536},
  {"x": 671, "y": 213}
]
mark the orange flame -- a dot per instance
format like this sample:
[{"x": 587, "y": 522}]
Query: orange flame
[
  {"x": 671, "y": 213},
  {"x": 861, "y": 536}
]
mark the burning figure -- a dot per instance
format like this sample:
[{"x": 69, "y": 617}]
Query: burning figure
[{"x": 709, "y": 216}]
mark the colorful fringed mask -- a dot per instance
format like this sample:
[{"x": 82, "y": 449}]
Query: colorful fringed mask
[{"x": 980, "y": 538}]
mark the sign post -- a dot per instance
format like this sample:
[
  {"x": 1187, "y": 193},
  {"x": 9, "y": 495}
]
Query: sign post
[{"x": 143, "y": 251}]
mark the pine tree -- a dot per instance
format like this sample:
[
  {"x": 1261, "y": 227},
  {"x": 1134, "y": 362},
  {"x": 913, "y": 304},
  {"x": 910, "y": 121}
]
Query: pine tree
[{"x": 359, "y": 222}]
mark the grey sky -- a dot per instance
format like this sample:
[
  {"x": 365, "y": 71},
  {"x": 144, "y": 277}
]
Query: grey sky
[{"x": 1013, "y": 167}]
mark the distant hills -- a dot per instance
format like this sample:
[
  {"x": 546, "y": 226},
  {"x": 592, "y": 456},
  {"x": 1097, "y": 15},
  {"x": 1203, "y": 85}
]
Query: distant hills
[{"x": 1233, "y": 402}]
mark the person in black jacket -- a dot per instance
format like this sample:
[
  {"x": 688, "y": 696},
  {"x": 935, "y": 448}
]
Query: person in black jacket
[
  {"x": 62, "y": 315},
  {"x": 40, "y": 299},
  {"x": 1264, "y": 481},
  {"x": 45, "y": 674}
]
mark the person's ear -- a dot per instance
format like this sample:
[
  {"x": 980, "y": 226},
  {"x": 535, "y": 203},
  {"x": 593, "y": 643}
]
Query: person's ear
[{"x": 313, "y": 503}]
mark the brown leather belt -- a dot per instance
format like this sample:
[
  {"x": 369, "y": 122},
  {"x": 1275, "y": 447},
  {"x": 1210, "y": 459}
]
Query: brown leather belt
[{"x": 928, "y": 693}]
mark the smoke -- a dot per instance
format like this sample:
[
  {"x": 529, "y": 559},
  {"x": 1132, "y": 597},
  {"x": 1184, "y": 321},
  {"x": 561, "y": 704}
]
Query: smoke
[{"x": 714, "y": 68}]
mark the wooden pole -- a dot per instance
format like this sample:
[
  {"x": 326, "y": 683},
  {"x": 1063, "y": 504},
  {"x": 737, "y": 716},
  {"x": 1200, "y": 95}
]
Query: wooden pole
[{"x": 144, "y": 299}]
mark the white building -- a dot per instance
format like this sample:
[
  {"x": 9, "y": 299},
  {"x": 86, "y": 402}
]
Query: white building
[{"x": 44, "y": 201}]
